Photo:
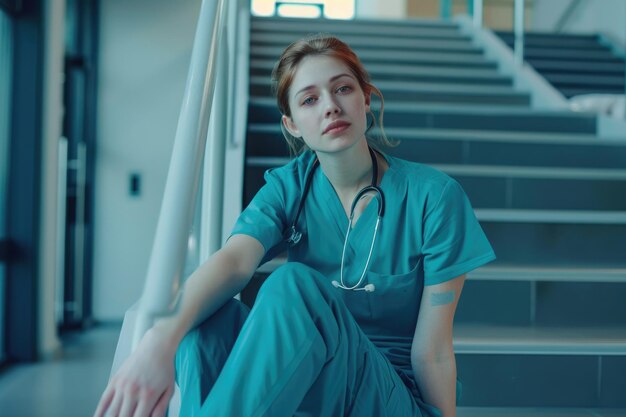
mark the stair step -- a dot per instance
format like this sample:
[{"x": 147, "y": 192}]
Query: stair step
[
  {"x": 506, "y": 136},
  {"x": 537, "y": 340},
  {"x": 539, "y": 412},
  {"x": 600, "y": 55},
  {"x": 448, "y": 148},
  {"x": 489, "y": 170},
  {"x": 586, "y": 80},
  {"x": 432, "y": 92},
  {"x": 431, "y": 87},
  {"x": 571, "y": 92},
  {"x": 383, "y": 28},
  {"x": 495, "y": 272},
  {"x": 423, "y": 73},
  {"x": 390, "y": 55},
  {"x": 574, "y": 67},
  {"x": 554, "y": 40},
  {"x": 502, "y": 136},
  {"x": 474, "y": 117},
  {"x": 578, "y": 217},
  {"x": 461, "y": 46}
]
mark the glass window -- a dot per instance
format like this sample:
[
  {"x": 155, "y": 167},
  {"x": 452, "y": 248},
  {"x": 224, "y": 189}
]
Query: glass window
[{"x": 330, "y": 9}]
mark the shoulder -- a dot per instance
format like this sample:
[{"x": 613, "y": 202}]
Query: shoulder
[
  {"x": 420, "y": 181},
  {"x": 291, "y": 176}
]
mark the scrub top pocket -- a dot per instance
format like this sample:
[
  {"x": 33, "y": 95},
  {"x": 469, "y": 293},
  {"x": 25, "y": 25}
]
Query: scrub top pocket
[{"x": 394, "y": 305}]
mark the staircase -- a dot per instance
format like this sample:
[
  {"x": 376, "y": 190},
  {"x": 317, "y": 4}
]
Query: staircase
[
  {"x": 573, "y": 64},
  {"x": 541, "y": 331}
]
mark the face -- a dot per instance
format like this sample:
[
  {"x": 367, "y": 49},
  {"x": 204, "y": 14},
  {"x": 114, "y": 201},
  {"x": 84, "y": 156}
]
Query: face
[{"x": 328, "y": 107}]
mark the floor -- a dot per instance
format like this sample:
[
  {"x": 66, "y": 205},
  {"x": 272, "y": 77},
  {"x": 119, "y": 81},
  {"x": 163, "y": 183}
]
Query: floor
[
  {"x": 71, "y": 386},
  {"x": 68, "y": 387}
]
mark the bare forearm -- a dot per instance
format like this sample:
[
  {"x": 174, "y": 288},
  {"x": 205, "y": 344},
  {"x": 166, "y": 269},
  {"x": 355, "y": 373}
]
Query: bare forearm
[
  {"x": 204, "y": 292},
  {"x": 436, "y": 379}
]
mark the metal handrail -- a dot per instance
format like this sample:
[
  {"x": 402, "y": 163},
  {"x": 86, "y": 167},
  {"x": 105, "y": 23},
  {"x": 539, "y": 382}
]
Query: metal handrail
[
  {"x": 177, "y": 208},
  {"x": 518, "y": 26}
]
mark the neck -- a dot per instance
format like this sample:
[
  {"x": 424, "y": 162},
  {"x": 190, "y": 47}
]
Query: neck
[{"x": 349, "y": 170}]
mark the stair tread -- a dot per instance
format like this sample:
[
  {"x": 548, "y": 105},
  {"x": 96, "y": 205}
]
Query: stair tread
[
  {"x": 551, "y": 216},
  {"x": 495, "y": 272},
  {"x": 433, "y": 87},
  {"x": 508, "y": 171},
  {"x": 391, "y": 54},
  {"x": 370, "y": 41},
  {"x": 406, "y": 69},
  {"x": 466, "y": 109},
  {"x": 495, "y": 339},
  {"x": 538, "y": 412},
  {"x": 479, "y": 135}
]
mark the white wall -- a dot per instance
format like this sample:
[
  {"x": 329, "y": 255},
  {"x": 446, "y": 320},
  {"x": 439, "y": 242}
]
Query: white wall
[
  {"x": 145, "y": 48},
  {"x": 606, "y": 16}
]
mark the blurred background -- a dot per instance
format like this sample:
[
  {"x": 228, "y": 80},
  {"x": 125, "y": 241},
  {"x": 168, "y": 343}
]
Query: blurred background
[{"x": 521, "y": 101}]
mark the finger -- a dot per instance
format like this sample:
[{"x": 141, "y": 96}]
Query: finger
[
  {"x": 129, "y": 404},
  {"x": 146, "y": 405},
  {"x": 161, "y": 406},
  {"x": 105, "y": 401},
  {"x": 114, "y": 408}
]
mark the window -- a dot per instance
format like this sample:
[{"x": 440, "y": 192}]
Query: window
[{"x": 330, "y": 9}]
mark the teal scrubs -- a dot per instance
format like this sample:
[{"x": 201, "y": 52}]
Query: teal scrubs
[{"x": 429, "y": 235}]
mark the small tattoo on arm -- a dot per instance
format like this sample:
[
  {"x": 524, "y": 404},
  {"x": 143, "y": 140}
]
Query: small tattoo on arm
[{"x": 442, "y": 298}]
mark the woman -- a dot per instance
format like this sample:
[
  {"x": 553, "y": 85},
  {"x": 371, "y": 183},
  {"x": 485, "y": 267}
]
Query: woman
[{"x": 359, "y": 321}]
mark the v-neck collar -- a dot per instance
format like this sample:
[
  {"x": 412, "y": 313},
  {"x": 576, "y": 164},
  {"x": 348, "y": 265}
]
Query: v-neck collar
[{"x": 365, "y": 224}]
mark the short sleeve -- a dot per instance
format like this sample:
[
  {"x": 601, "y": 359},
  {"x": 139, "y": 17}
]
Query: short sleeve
[
  {"x": 264, "y": 218},
  {"x": 454, "y": 242}
]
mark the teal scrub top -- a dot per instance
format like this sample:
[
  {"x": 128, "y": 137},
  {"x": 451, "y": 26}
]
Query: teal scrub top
[{"x": 428, "y": 235}]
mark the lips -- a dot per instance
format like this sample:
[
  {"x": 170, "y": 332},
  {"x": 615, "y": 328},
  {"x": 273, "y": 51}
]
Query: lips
[{"x": 335, "y": 125}]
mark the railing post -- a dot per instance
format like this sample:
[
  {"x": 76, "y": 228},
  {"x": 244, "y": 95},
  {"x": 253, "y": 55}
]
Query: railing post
[
  {"x": 445, "y": 9},
  {"x": 478, "y": 13},
  {"x": 518, "y": 28}
]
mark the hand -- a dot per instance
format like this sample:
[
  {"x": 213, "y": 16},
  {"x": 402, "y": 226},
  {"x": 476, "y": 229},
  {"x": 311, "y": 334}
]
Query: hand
[{"x": 144, "y": 384}]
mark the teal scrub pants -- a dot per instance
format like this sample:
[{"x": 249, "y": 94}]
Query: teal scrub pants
[{"x": 298, "y": 352}]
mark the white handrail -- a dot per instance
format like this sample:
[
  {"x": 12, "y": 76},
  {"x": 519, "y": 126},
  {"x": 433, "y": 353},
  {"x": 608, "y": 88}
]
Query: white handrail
[
  {"x": 175, "y": 218},
  {"x": 478, "y": 13},
  {"x": 518, "y": 28}
]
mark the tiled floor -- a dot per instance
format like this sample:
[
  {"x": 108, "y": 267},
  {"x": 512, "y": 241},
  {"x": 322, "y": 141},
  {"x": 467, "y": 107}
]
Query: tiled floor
[
  {"x": 71, "y": 386},
  {"x": 68, "y": 387}
]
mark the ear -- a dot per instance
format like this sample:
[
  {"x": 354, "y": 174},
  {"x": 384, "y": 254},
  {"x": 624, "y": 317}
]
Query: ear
[
  {"x": 368, "y": 100},
  {"x": 291, "y": 126}
]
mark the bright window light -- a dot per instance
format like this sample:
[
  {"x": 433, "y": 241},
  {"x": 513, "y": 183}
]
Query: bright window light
[
  {"x": 263, "y": 7},
  {"x": 299, "y": 10},
  {"x": 339, "y": 9},
  {"x": 332, "y": 9}
]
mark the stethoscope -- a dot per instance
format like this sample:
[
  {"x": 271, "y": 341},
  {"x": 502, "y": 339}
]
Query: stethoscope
[{"x": 295, "y": 236}]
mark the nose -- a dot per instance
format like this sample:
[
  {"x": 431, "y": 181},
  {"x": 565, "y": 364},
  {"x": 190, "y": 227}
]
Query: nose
[{"x": 332, "y": 107}]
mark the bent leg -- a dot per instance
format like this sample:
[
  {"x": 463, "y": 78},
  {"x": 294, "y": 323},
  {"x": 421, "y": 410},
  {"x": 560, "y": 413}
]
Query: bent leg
[
  {"x": 302, "y": 353},
  {"x": 202, "y": 353}
]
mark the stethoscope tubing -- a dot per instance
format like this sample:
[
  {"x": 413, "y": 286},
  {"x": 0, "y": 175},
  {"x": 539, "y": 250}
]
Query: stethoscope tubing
[{"x": 294, "y": 236}]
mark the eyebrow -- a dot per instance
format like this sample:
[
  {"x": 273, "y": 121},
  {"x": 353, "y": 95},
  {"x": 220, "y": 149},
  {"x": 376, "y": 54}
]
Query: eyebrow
[{"x": 308, "y": 87}]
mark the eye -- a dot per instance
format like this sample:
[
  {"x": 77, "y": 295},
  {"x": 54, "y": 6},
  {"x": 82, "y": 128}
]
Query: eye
[
  {"x": 344, "y": 89},
  {"x": 308, "y": 101}
]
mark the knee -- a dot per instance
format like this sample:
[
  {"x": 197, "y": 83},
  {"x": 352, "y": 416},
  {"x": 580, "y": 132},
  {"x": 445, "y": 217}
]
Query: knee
[
  {"x": 293, "y": 279},
  {"x": 221, "y": 328}
]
